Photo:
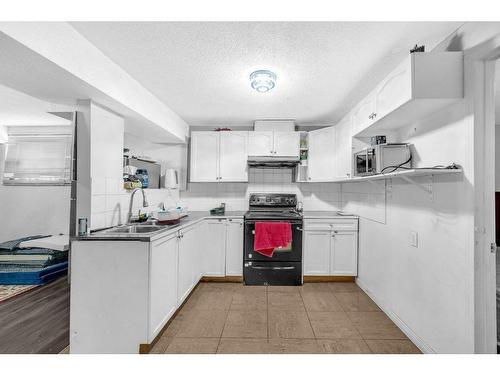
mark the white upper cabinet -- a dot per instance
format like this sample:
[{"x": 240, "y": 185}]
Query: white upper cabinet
[
  {"x": 268, "y": 143},
  {"x": 322, "y": 156},
  {"x": 219, "y": 156},
  {"x": 234, "y": 247},
  {"x": 421, "y": 85},
  {"x": 260, "y": 143},
  {"x": 204, "y": 157},
  {"x": 286, "y": 144},
  {"x": 233, "y": 156},
  {"x": 365, "y": 113},
  {"x": 343, "y": 145},
  {"x": 394, "y": 90}
]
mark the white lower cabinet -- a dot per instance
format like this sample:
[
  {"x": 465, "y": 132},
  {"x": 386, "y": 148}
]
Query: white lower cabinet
[
  {"x": 190, "y": 267},
  {"x": 344, "y": 255},
  {"x": 330, "y": 247},
  {"x": 317, "y": 252},
  {"x": 234, "y": 247},
  {"x": 214, "y": 247},
  {"x": 162, "y": 283}
]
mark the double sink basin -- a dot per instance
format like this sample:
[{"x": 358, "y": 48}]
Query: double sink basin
[{"x": 138, "y": 228}]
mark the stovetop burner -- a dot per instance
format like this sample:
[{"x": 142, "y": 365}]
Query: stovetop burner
[{"x": 273, "y": 207}]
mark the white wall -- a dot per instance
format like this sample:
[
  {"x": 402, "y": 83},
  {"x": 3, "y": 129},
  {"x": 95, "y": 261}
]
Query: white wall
[
  {"x": 109, "y": 200},
  {"x": 428, "y": 290},
  {"x": 31, "y": 210}
]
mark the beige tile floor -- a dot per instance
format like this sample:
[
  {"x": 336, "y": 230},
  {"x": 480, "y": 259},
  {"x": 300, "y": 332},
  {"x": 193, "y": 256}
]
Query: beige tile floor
[{"x": 313, "y": 318}]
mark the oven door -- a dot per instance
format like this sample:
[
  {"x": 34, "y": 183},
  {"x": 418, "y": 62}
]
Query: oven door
[
  {"x": 293, "y": 253},
  {"x": 272, "y": 273}
]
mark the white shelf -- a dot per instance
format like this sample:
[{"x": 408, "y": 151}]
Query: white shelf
[{"x": 402, "y": 174}]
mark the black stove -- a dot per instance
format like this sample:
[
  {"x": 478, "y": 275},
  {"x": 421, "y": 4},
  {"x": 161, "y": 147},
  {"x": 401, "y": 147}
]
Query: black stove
[{"x": 285, "y": 266}]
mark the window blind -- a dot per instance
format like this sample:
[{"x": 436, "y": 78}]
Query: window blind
[{"x": 38, "y": 159}]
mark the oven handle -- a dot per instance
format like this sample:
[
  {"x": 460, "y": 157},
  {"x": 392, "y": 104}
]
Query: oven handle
[
  {"x": 273, "y": 268},
  {"x": 299, "y": 229}
]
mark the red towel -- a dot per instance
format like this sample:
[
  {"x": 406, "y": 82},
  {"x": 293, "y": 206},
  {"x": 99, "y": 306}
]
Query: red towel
[{"x": 270, "y": 235}]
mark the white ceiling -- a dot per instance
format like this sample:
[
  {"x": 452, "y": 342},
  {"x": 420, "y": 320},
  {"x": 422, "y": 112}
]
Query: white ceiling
[
  {"x": 17, "y": 108},
  {"x": 201, "y": 69}
]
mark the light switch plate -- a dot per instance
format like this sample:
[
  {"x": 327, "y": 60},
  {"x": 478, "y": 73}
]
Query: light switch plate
[{"x": 414, "y": 239}]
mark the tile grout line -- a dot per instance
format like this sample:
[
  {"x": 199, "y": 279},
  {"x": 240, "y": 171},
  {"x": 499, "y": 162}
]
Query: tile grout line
[{"x": 309, "y": 318}]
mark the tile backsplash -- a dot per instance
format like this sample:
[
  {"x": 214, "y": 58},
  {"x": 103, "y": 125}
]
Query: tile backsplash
[
  {"x": 315, "y": 196},
  {"x": 110, "y": 202}
]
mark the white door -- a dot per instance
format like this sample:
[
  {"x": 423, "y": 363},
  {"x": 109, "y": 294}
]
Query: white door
[
  {"x": 234, "y": 247},
  {"x": 344, "y": 148},
  {"x": 317, "y": 252},
  {"x": 322, "y": 161},
  {"x": 395, "y": 89},
  {"x": 204, "y": 157},
  {"x": 344, "y": 257},
  {"x": 286, "y": 143},
  {"x": 214, "y": 247},
  {"x": 233, "y": 156},
  {"x": 260, "y": 144},
  {"x": 364, "y": 114},
  {"x": 162, "y": 283}
]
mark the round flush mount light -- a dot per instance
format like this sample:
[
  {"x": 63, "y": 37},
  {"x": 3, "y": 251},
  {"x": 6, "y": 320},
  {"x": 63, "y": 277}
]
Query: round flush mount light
[{"x": 263, "y": 80}]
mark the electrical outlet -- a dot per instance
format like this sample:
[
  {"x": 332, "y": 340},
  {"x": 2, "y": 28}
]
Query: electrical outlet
[{"x": 414, "y": 238}]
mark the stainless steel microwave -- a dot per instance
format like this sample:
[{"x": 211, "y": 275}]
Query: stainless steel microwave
[{"x": 382, "y": 158}]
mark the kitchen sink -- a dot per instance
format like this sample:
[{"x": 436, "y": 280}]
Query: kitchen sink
[{"x": 135, "y": 229}]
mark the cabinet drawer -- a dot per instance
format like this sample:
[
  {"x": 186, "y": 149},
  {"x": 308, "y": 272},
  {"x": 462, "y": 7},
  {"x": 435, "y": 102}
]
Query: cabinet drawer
[{"x": 331, "y": 224}]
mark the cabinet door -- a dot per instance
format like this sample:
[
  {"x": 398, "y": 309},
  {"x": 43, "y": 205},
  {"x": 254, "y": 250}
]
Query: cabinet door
[
  {"x": 363, "y": 114},
  {"x": 214, "y": 248},
  {"x": 344, "y": 257},
  {"x": 344, "y": 148},
  {"x": 395, "y": 90},
  {"x": 234, "y": 247},
  {"x": 162, "y": 283},
  {"x": 204, "y": 157},
  {"x": 189, "y": 263},
  {"x": 260, "y": 144},
  {"x": 317, "y": 252},
  {"x": 322, "y": 161},
  {"x": 286, "y": 143},
  {"x": 233, "y": 156}
]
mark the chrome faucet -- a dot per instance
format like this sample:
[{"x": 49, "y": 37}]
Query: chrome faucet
[{"x": 144, "y": 203}]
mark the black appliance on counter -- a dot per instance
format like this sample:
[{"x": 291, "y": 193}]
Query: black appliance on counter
[{"x": 285, "y": 266}]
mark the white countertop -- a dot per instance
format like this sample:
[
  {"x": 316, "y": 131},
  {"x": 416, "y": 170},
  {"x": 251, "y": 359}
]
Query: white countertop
[{"x": 327, "y": 215}]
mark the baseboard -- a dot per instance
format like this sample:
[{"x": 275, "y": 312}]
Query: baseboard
[
  {"x": 222, "y": 279},
  {"x": 326, "y": 279},
  {"x": 417, "y": 340}
]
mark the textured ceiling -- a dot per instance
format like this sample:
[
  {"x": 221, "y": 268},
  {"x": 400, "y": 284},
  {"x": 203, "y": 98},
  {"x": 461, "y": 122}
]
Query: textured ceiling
[{"x": 201, "y": 69}]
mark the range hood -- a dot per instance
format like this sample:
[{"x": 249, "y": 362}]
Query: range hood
[{"x": 273, "y": 162}]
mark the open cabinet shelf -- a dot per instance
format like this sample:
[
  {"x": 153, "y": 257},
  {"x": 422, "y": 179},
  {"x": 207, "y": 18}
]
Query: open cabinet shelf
[{"x": 402, "y": 174}]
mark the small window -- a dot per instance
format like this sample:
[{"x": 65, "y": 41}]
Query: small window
[{"x": 39, "y": 156}]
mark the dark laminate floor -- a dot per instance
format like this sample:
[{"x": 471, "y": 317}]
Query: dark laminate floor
[{"x": 36, "y": 321}]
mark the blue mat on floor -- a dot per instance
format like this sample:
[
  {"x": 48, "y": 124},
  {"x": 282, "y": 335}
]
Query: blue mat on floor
[{"x": 39, "y": 276}]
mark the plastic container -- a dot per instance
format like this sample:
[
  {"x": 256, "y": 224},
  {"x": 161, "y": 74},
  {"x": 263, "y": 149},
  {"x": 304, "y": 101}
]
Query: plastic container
[{"x": 143, "y": 176}]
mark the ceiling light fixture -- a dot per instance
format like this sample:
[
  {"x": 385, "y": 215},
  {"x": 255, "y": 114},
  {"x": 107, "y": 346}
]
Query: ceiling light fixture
[{"x": 263, "y": 80}]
